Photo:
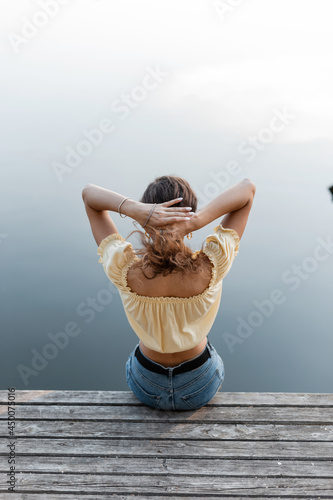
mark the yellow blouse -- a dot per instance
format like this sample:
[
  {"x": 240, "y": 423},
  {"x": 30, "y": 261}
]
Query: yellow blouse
[{"x": 170, "y": 324}]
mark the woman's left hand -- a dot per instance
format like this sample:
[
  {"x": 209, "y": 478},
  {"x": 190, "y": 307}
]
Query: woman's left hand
[{"x": 163, "y": 213}]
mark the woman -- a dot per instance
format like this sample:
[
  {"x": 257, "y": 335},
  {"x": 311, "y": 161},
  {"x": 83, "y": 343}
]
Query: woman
[{"x": 170, "y": 294}]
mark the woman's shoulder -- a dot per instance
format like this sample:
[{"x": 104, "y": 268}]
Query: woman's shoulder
[
  {"x": 114, "y": 244},
  {"x": 226, "y": 234},
  {"x": 221, "y": 247}
]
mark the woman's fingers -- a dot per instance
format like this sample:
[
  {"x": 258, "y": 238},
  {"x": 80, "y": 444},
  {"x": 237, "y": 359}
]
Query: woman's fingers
[
  {"x": 177, "y": 209},
  {"x": 164, "y": 215},
  {"x": 170, "y": 220},
  {"x": 170, "y": 217},
  {"x": 179, "y": 215},
  {"x": 173, "y": 210},
  {"x": 166, "y": 204},
  {"x": 170, "y": 202}
]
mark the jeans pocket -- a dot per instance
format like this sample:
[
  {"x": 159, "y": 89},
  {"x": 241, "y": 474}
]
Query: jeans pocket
[
  {"x": 145, "y": 397},
  {"x": 203, "y": 395}
]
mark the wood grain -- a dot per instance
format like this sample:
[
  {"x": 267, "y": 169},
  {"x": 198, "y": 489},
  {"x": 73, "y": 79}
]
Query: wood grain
[{"x": 99, "y": 445}]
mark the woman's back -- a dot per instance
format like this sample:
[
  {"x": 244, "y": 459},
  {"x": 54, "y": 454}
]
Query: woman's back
[
  {"x": 175, "y": 284},
  {"x": 174, "y": 312}
]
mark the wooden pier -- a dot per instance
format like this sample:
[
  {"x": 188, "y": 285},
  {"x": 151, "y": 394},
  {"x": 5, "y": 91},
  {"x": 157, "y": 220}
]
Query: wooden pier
[{"x": 97, "y": 445}]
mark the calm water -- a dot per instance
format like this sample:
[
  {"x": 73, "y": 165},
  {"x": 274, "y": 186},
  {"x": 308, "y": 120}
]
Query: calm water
[
  {"x": 57, "y": 89},
  {"x": 50, "y": 273}
]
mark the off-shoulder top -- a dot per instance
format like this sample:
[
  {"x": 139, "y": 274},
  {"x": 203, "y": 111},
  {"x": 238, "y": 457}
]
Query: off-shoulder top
[{"x": 170, "y": 324}]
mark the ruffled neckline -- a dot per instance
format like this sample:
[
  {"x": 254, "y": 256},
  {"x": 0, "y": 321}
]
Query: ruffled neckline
[
  {"x": 147, "y": 298},
  {"x": 133, "y": 258}
]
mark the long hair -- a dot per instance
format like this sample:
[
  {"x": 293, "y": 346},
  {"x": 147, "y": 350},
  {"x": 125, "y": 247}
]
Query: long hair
[{"x": 164, "y": 253}]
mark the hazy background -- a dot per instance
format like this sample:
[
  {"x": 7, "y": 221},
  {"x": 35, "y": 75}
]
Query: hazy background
[{"x": 225, "y": 72}]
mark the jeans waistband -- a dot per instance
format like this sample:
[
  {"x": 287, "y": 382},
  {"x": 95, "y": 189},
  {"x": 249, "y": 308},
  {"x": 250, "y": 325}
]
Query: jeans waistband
[{"x": 182, "y": 368}]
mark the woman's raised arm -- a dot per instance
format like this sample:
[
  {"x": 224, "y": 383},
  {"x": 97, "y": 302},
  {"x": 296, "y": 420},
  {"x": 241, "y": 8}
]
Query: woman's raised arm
[
  {"x": 234, "y": 203},
  {"x": 99, "y": 201}
]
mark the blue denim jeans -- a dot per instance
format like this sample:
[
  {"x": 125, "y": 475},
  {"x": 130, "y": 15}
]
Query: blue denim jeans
[{"x": 183, "y": 391}]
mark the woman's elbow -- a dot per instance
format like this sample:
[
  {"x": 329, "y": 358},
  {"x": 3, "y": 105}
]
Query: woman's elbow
[
  {"x": 85, "y": 191},
  {"x": 250, "y": 186}
]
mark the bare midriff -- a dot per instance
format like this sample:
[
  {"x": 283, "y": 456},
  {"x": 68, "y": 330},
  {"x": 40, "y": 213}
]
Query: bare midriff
[
  {"x": 173, "y": 358},
  {"x": 164, "y": 287}
]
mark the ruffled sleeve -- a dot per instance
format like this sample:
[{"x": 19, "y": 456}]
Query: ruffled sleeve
[
  {"x": 115, "y": 253},
  {"x": 221, "y": 247}
]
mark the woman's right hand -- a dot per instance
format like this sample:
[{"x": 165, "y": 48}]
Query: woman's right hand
[
  {"x": 181, "y": 228},
  {"x": 164, "y": 215}
]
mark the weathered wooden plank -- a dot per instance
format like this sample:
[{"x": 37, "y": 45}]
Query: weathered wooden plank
[
  {"x": 145, "y": 484},
  {"x": 238, "y": 414},
  {"x": 115, "y": 496},
  {"x": 128, "y": 398},
  {"x": 243, "y": 445},
  {"x": 75, "y": 496},
  {"x": 157, "y": 466},
  {"x": 168, "y": 430},
  {"x": 185, "y": 449}
]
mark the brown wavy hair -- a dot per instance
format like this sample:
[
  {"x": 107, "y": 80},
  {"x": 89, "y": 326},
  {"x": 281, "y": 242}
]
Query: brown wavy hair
[{"x": 165, "y": 253}]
